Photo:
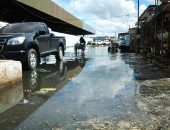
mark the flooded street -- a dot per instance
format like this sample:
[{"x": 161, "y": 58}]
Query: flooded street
[{"x": 95, "y": 90}]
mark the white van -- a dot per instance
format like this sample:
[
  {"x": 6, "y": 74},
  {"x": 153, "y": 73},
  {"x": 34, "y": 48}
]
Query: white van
[
  {"x": 127, "y": 40},
  {"x": 125, "y": 43}
]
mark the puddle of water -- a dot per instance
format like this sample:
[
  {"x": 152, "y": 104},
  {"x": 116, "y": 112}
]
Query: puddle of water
[
  {"x": 38, "y": 86},
  {"x": 100, "y": 90},
  {"x": 97, "y": 90}
]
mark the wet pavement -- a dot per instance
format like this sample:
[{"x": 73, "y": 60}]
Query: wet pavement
[{"x": 95, "y": 90}]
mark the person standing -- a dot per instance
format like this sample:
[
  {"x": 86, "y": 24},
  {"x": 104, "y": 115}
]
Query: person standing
[{"x": 82, "y": 41}]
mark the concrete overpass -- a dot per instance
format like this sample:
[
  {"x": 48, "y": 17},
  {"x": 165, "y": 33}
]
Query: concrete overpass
[{"x": 46, "y": 11}]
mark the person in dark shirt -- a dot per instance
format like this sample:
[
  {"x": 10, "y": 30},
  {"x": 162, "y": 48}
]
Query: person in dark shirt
[
  {"x": 82, "y": 41},
  {"x": 81, "y": 45}
]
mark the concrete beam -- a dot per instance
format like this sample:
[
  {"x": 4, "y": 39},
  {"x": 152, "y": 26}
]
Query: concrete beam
[{"x": 52, "y": 9}]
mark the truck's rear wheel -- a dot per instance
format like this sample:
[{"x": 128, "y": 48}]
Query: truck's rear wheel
[
  {"x": 32, "y": 60},
  {"x": 60, "y": 53}
]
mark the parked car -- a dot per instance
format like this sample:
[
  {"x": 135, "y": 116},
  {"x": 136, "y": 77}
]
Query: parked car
[
  {"x": 106, "y": 42},
  {"x": 98, "y": 42},
  {"x": 28, "y": 41}
]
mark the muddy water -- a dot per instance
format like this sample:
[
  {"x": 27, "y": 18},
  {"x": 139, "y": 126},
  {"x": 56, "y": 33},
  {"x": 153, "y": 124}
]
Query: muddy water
[{"x": 98, "y": 90}]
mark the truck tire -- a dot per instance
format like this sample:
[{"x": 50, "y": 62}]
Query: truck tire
[
  {"x": 32, "y": 60},
  {"x": 60, "y": 54}
]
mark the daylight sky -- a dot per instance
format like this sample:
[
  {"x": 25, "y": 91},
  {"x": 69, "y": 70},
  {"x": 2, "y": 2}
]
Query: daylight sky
[{"x": 107, "y": 17}]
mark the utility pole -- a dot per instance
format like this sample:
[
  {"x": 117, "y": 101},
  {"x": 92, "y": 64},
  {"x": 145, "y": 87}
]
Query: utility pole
[
  {"x": 138, "y": 14},
  {"x": 138, "y": 42}
]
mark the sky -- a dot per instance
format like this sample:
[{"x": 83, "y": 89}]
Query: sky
[{"x": 107, "y": 17}]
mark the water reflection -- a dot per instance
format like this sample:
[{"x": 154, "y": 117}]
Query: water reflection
[
  {"x": 104, "y": 92},
  {"x": 100, "y": 91},
  {"x": 38, "y": 86},
  {"x": 10, "y": 96},
  {"x": 46, "y": 76}
]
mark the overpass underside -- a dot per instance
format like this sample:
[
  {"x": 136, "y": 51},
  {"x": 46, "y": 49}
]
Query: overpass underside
[{"x": 55, "y": 17}]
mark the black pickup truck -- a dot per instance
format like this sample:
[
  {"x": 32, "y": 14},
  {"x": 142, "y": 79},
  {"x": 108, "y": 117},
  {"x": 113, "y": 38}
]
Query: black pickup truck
[{"x": 29, "y": 41}]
